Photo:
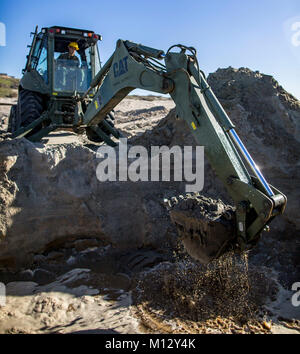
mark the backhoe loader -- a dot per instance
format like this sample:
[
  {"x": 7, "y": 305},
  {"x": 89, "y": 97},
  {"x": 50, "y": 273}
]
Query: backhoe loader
[{"x": 54, "y": 95}]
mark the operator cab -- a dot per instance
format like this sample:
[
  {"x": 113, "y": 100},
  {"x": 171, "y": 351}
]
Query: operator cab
[{"x": 66, "y": 76}]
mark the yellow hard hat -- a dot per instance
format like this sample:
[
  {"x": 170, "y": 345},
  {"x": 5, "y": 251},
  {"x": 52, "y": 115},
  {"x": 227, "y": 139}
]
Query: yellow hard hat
[{"x": 74, "y": 45}]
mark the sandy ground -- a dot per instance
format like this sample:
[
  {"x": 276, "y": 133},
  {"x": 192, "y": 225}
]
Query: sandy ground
[
  {"x": 84, "y": 300},
  {"x": 133, "y": 117},
  {"x": 87, "y": 300},
  {"x": 60, "y": 308},
  {"x": 4, "y": 111}
]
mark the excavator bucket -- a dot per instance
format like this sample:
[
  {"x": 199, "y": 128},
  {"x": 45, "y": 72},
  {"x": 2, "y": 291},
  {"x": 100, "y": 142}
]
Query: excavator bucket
[{"x": 205, "y": 226}]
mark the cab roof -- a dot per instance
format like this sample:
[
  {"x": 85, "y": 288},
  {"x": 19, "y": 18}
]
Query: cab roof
[{"x": 70, "y": 29}]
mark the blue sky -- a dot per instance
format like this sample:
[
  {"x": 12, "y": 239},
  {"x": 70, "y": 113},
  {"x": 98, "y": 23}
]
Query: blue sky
[{"x": 256, "y": 34}]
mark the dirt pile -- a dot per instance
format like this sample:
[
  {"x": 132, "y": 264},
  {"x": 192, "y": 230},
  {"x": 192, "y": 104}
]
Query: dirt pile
[
  {"x": 257, "y": 102},
  {"x": 268, "y": 119}
]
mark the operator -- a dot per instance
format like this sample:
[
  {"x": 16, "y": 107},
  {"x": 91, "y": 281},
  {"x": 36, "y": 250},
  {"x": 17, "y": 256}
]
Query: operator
[
  {"x": 68, "y": 74},
  {"x": 72, "y": 47}
]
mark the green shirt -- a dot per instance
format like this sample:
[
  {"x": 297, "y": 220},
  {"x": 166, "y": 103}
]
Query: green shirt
[{"x": 67, "y": 56}]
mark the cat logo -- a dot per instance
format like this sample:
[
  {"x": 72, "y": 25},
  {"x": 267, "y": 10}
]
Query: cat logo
[{"x": 120, "y": 67}]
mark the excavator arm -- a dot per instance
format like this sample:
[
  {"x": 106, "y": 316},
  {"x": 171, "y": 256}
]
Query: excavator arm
[{"x": 136, "y": 66}]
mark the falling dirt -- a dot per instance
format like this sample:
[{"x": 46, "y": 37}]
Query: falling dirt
[{"x": 222, "y": 297}]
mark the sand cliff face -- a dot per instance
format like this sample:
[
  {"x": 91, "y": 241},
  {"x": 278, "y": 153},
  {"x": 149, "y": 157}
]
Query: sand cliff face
[{"x": 51, "y": 195}]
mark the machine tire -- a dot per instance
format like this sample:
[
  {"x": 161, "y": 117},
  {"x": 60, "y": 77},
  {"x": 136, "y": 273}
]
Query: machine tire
[
  {"x": 12, "y": 120},
  {"x": 30, "y": 105}
]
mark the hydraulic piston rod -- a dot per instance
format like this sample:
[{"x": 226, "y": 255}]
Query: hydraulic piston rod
[{"x": 250, "y": 161}]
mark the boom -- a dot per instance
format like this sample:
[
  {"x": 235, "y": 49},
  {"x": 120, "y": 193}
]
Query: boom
[{"x": 136, "y": 66}]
